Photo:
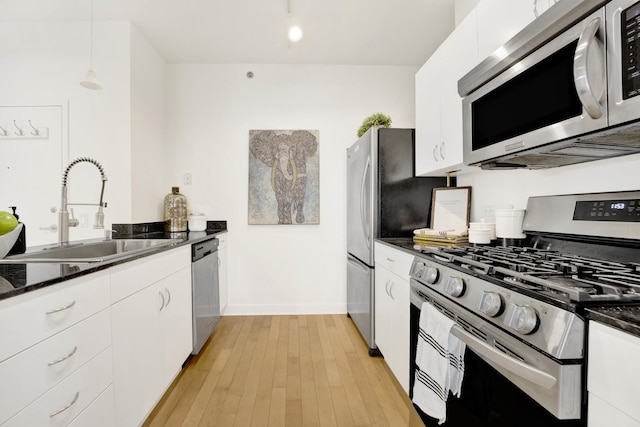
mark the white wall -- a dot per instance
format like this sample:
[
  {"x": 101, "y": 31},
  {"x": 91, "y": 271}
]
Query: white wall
[
  {"x": 497, "y": 189},
  {"x": 121, "y": 126},
  {"x": 210, "y": 110},
  {"x": 148, "y": 145}
]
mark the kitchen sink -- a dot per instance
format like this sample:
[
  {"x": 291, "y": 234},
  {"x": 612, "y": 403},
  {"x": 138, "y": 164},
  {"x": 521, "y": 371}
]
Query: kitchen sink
[{"x": 106, "y": 250}]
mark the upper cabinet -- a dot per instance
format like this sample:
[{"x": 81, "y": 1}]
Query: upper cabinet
[
  {"x": 438, "y": 106},
  {"x": 499, "y": 20}
]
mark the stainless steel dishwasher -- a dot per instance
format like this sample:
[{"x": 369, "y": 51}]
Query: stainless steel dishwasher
[{"x": 206, "y": 295}]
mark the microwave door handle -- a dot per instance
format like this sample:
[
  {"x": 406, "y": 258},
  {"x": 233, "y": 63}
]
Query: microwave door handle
[
  {"x": 503, "y": 360},
  {"x": 589, "y": 100}
]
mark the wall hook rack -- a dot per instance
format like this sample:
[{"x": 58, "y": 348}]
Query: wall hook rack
[{"x": 19, "y": 133}]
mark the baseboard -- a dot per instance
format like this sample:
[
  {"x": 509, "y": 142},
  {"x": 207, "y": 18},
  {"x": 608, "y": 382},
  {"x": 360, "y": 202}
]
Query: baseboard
[{"x": 283, "y": 309}]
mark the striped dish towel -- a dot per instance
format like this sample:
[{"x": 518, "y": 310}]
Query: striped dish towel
[{"x": 440, "y": 363}]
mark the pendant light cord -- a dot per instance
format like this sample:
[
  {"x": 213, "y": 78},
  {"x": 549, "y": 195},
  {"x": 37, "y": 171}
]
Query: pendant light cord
[{"x": 91, "y": 40}]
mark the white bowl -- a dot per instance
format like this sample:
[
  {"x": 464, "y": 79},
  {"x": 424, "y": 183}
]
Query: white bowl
[
  {"x": 480, "y": 236},
  {"x": 8, "y": 240}
]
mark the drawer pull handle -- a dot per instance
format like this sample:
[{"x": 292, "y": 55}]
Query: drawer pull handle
[
  {"x": 168, "y": 297},
  {"x": 69, "y": 405},
  {"x": 63, "y": 358},
  {"x": 57, "y": 310}
]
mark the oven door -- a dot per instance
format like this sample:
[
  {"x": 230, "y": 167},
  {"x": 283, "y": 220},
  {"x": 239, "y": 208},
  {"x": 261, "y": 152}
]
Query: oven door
[
  {"x": 506, "y": 382},
  {"x": 557, "y": 92}
]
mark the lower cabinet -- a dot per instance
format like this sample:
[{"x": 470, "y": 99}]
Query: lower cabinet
[
  {"x": 613, "y": 377},
  {"x": 152, "y": 337},
  {"x": 392, "y": 310}
]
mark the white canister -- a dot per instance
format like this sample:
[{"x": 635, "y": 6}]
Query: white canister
[
  {"x": 509, "y": 223},
  {"x": 197, "y": 222}
]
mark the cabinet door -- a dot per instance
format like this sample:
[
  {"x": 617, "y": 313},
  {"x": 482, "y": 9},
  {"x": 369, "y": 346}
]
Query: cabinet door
[
  {"x": 494, "y": 29},
  {"x": 462, "y": 56},
  {"x": 383, "y": 302},
  {"x": 178, "y": 335},
  {"x": 612, "y": 374},
  {"x": 223, "y": 272},
  {"x": 137, "y": 354},
  {"x": 399, "y": 293},
  {"x": 428, "y": 114}
]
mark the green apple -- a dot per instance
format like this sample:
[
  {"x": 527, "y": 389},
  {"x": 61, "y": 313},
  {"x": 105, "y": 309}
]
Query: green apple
[{"x": 8, "y": 222}]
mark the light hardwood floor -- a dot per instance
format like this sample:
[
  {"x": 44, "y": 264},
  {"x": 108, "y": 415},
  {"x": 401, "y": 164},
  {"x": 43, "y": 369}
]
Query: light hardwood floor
[{"x": 283, "y": 371}]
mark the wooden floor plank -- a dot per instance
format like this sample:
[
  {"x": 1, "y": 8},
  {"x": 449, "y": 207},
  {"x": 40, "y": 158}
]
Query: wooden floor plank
[{"x": 283, "y": 371}]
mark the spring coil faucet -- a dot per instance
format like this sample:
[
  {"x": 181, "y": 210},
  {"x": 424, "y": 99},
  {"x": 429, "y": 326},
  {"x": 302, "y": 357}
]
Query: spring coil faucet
[{"x": 64, "y": 222}]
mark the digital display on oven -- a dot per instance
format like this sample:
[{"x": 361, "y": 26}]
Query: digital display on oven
[
  {"x": 608, "y": 210},
  {"x": 630, "y": 38}
]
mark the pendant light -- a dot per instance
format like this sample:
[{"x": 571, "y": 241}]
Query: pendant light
[
  {"x": 294, "y": 33},
  {"x": 91, "y": 80}
]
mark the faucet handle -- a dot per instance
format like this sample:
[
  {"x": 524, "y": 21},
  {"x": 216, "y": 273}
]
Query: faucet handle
[
  {"x": 108, "y": 234},
  {"x": 73, "y": 221}
]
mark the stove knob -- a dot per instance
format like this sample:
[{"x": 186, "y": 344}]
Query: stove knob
[
  {"x": 430, "y": 275},
  {"x": 491, "y": 304},
  {"x": 523, "y": 319},
  {"x": 455, "y": 287}
]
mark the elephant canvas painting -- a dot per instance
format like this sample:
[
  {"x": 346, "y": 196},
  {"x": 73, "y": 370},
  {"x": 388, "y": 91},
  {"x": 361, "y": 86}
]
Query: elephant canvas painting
[{"x": 284, "y": 177}]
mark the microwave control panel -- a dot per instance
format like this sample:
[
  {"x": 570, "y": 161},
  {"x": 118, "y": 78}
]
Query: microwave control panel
[{"x": 630, "y": 51}]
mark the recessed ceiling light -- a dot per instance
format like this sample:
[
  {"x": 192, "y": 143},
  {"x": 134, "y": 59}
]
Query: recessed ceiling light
[{"x": 295, "y": 33}]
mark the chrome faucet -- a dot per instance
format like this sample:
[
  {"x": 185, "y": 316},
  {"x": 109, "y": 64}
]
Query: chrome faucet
[{"x": 64, "y": 222}]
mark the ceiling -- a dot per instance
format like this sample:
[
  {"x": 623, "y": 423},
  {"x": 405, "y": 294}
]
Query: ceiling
[{"x": 346, "y": 32}]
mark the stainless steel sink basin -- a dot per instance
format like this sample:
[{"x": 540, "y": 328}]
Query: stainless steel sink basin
[{"x": 106, "y": 250}]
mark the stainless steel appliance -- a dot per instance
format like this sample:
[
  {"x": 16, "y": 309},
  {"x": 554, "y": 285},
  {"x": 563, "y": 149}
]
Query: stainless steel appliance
[
  {"x": 205, "y": 291},
  {"x": 562, "y": 91},
  {"x": 520, "y": 310},
  {"x": 384, "y": 199}
]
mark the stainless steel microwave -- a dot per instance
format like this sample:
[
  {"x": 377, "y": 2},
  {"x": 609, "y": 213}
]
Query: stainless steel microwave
[{"x": 565, "y": 90}]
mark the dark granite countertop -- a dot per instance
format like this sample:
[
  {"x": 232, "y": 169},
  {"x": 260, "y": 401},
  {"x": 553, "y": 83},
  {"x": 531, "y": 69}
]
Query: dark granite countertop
[
  {"x": 624, "y": 318},
  {"x": 17, "y": 279},
  {"x": 405, "y": 244}
]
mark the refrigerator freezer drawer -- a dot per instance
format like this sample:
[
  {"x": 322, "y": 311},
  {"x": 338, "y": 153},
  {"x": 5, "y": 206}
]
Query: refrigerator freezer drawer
[{"x": 360, "y": 302}]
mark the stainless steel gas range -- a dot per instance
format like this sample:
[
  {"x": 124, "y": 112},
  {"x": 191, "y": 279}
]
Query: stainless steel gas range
[{"x": 520, "y": 310}]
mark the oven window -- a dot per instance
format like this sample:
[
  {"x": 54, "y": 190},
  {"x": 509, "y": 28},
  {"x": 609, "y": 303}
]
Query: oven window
[
  {"x": 540, "y": 96},
  {"x": 487, "y": 397}
]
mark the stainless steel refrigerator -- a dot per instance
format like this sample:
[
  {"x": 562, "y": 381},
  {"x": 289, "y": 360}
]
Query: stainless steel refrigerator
[{"x": 384, "y": 199}]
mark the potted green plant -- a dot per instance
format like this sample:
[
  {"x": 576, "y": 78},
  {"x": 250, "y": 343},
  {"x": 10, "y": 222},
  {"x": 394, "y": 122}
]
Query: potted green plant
[{"x": 377, "y": 119}]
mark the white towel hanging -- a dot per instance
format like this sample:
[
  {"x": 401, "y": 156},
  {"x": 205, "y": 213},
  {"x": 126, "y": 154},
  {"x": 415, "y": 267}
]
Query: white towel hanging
[{"x": 440, "y": 363}]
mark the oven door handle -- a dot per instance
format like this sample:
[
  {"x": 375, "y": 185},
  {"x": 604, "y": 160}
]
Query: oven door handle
[{"x": 505, "y": 361}]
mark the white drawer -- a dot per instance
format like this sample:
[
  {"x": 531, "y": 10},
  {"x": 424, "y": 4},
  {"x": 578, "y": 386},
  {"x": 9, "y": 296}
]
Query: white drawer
[
  {"x": 70, "y": 397},
  {"x": 612, "y": 373},
  {"x": 29, "y": 374},
  {"x": 100, "y": 413},
  {"x": 129, "y": 278},
  {"x": 602, "y": 414},
  {"x": 30, "y": 318},
  {"x": 396, "y": 260}
]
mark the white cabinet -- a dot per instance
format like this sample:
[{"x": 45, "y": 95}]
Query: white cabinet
[
  {"x": 223, "y": 271},
  {"x": 438, "y": 105},
  {"x": 613, "y": 377},
  {"x": 499, "y": 21},
  {"x": 51, "y": 338},
  {"x": 152, "y": 332},
  {"x": 392, "y": 309}
]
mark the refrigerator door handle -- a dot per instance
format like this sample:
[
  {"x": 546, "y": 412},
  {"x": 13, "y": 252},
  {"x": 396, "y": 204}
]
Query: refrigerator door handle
[
  {"x": 358, "y": 265},
  {"x": 363, "y": 208}
]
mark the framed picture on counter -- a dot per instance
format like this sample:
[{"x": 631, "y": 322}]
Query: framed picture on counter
[
  {"x": 450, "y": 209},
  {"x": 284, "y": 177}
]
